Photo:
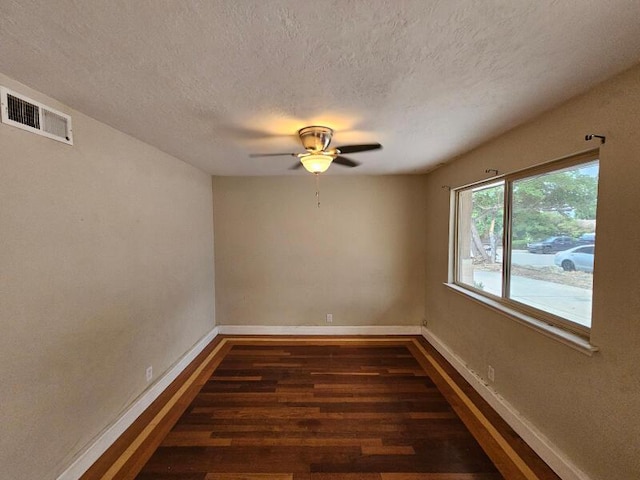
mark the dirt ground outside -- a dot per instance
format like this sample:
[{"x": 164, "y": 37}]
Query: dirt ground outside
[{"x": 545, "y": 273}]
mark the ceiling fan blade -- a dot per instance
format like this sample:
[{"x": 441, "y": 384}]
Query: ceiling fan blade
[
  {"x": 295, "y": 166},
  {"x": 254, "y": 155},
  {"x": 359, "y": 148},
  {"x": 347, "y": 162}
]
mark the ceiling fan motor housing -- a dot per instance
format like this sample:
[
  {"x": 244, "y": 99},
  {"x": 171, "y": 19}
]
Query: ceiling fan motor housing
[{"x": 315, "y": 138}]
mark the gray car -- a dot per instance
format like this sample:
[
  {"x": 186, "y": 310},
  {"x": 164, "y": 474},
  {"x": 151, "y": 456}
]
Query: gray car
[
  {"x": 552, "y": 244},
  {"x": 577, "y": 258},
  {"x": 587, "y": 239}
]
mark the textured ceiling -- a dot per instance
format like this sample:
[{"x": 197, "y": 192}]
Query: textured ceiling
[{"x": 212, "y": 81}]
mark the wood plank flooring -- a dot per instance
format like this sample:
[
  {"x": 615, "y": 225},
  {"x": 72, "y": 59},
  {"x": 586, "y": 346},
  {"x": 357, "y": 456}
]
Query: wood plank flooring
[{"x": 270, "y": 408}]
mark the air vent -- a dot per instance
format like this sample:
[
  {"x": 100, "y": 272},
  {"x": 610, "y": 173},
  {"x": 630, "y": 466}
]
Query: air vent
[{"x": 24, "y": 113}]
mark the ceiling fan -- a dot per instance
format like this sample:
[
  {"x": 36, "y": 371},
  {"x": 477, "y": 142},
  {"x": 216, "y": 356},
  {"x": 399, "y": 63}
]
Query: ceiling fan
[{"x": 317, "y": 158}]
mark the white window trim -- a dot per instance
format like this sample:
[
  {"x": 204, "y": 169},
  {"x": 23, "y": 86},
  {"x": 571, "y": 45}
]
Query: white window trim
[
  {"x": 554, "y": 332},
  {"x": 547, "y": 324}
]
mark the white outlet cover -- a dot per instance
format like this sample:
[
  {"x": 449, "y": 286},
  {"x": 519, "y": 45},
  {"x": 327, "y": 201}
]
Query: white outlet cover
[
  {"x": 149, "y": 373},
  {"x": 329, "y": 317}
]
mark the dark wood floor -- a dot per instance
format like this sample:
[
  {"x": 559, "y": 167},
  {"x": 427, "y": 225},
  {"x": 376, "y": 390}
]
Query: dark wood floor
[{"x": 325, "y": 409}]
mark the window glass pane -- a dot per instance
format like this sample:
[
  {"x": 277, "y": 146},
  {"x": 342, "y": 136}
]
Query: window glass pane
[
  {"x": 480, "y": 233},
  {"x": 553, "y": 220}
]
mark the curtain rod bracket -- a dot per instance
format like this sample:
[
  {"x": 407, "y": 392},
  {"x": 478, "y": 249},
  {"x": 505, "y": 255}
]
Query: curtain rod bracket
[
  {"x": 591, "y": 135},
  {"x": 489, "y": 170}
]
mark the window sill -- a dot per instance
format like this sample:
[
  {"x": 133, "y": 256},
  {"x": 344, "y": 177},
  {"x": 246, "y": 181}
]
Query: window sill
[{"x": 563, "y": 336}]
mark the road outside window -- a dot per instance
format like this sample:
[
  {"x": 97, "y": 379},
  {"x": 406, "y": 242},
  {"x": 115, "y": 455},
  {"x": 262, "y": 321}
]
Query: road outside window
[
  {"x": 550, "y": 240},
  {"x": 551, "y": 213}
]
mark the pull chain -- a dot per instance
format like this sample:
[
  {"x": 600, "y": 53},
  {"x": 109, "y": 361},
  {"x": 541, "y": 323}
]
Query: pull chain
[{"x": 317, "y": 188}]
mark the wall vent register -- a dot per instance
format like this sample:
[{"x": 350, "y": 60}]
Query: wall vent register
[{"x": 26, "y": 114}]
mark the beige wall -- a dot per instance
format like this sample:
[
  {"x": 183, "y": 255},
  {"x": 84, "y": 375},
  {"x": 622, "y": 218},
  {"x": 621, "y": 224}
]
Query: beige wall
[
  {"x": 588, "y": 407},
  {"x": 282, "y": 261},
  {"x": 106, "y": 267}
]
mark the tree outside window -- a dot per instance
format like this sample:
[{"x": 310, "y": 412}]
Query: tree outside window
[{"x": 551, "y": 212}]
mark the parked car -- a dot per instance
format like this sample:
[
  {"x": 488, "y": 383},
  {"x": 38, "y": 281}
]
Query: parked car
[
  {"x": 552, "y": 244},
  {"x": 576, "y": 258},
  {"x": 587, "y": 239}
]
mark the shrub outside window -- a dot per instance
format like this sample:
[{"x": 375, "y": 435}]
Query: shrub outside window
[{"x": 527, "y": 240}]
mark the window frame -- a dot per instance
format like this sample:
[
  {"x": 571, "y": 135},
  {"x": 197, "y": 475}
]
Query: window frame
[{"x": 509, "y": 304}]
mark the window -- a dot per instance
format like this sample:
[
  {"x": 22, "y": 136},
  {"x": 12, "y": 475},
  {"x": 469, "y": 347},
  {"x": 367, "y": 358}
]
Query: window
[{"x": 527, "y": 240}]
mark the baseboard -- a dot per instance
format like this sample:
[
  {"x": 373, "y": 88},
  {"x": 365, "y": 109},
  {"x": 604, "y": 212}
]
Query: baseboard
[
  {"x": 94, "y": 450},
  {"x": 558, "y": 462},
  {"x": 319, "y": 330}
]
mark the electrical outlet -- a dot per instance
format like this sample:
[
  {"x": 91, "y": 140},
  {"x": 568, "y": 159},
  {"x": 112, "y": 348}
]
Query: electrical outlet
[
  {"x": 491, "y": 373},
  {"x": 329, "y": 317},
  {"x": 149, "y": 373}
]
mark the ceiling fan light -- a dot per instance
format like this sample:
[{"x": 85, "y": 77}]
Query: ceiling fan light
[{"x": 316, "y": 163}]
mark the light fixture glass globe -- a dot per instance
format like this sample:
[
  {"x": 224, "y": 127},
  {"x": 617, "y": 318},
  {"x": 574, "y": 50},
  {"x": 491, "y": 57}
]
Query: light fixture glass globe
[{"x": 316, "y": 163}]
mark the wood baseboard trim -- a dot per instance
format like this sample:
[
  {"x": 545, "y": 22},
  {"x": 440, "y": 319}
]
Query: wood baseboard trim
[
  {"x": 109, "y": 435},
  {"x": 540, "y": 444},
  {"x": 319, "y": 330}
]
